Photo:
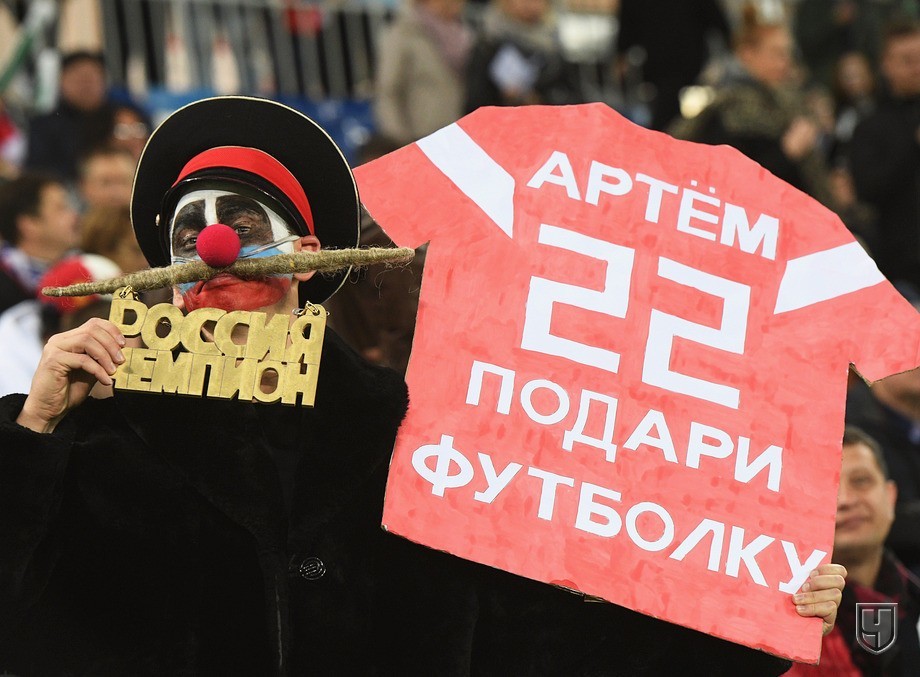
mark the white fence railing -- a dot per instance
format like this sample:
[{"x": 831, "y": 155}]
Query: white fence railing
[{"x": 291, "y": 48}]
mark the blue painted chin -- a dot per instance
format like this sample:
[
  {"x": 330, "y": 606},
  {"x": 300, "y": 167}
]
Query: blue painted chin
[{"x": 249, "y": 252}]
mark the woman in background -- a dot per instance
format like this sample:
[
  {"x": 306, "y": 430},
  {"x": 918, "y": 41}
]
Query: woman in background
[
  {"x": 760, "y": 111},
  {"x": 107, "y": 231},
  {"x": 421, "y": 64}
]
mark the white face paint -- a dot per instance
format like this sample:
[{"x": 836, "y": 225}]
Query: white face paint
[{"x": 262, "y": 231}]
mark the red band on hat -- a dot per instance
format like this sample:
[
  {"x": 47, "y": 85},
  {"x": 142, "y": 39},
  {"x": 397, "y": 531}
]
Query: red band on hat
[{"x": 255, "y": 162}]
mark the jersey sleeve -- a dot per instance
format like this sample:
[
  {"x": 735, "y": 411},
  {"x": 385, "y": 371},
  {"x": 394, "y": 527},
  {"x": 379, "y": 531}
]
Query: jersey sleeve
[
  {"x": 887, "y": 340},
  {"x": 443, "y": 183},
  {"x": 849, "y": 299}
]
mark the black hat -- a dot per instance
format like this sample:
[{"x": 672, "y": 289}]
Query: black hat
[{"x": 258, "y": 146}]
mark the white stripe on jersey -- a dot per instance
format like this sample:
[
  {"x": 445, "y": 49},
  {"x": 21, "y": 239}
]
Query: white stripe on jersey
[
  {"x": 480, "y": 177},
  {"x": 826, "y": 275}
]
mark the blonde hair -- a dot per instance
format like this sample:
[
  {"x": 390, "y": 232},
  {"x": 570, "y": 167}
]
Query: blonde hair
[
  {"x": 104, "y": 228},
  {"x": 755, "y": 25}
]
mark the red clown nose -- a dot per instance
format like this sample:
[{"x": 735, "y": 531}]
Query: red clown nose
[{"x": 218, "y": 245}]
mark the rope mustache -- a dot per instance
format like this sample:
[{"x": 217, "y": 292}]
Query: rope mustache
[{"x": 324, "y": 261}]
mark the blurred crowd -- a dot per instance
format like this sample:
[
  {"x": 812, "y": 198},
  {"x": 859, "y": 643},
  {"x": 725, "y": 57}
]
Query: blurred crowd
[{"x": 823, "y": 93}]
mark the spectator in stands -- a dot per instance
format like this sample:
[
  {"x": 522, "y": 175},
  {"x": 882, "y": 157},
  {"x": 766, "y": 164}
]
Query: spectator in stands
[
  {"x": 819, "y": 107},
  {"x": 81, "y": 121},
  {"x": 106, "y": 177},
  {"x": 837, "y": 112},
  {"x": 130, "y": 129},
  {"x": 758, "y": 111},
  {"x": 421, "y": 64},
  {"x": 827, "y": 29},
  {"x": 675, "y": 36},
  {"x": 26, "y": 327},
  {"x": 890, "y": 412},
  {"x": 107, "y": 231},
  {"x": 885, "y": 156},
  {"x": 517, "y": 58},
  {"x": 38, "y": 225},
  {"x": 854, "y": 99},
  {"x": 865, "y": 510}
]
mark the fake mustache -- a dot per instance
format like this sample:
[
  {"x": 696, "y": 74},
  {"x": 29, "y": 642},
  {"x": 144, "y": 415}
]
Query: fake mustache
[{"x": 323, "y": 261}]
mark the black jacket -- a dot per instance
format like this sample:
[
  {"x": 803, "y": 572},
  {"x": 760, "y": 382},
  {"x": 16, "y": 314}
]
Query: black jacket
[
  {"x": 59, "y": 139},
  {"x": 885, "y": 163},
  {"x": 151, "y": 535}
]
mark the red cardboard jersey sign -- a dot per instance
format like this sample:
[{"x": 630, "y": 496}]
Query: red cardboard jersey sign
[{"x": 630, "y": 365}]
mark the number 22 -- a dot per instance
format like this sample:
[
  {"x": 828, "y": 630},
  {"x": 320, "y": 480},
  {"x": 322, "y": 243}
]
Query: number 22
[{"x": 613, "y": 300}]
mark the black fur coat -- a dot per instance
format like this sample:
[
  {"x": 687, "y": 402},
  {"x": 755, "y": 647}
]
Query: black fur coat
[{"x": 153, "y": 535}]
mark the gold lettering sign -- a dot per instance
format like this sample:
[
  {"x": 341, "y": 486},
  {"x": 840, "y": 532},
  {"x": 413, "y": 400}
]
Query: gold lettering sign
[{"x": 214, "y": 353}]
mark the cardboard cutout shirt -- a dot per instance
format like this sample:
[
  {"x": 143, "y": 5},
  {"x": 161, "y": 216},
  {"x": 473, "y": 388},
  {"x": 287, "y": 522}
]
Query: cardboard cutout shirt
[{"x": 630, "y": 365}]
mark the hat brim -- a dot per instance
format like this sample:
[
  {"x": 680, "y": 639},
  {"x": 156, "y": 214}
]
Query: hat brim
[{"x": 290, "y": 137}]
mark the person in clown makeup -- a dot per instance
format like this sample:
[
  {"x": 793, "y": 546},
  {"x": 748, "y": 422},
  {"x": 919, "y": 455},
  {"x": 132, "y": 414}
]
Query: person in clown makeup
[
  {"x": 260, "y": 232},
  {"x": 152, "y": 534},
  {"x": 147, "y": 534}
]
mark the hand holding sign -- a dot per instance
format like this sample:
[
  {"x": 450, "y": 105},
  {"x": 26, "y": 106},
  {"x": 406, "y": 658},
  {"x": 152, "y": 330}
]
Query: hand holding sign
[
  {"x": 71, "y": 364},
  {"x": 820, "y": 594}
]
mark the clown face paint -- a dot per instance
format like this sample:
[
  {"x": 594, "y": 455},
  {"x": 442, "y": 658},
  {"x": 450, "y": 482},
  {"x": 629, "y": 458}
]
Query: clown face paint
[{"x": 262, "y": 232}]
